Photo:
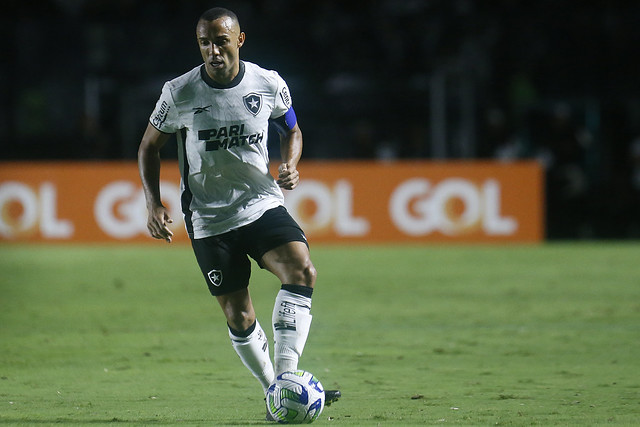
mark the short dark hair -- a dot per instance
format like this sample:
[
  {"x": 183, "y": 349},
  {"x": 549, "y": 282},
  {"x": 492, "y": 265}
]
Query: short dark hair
[{"x": 216, "y": 13}]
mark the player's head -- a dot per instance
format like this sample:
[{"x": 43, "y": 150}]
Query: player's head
[{"x": 219, "y": 38}]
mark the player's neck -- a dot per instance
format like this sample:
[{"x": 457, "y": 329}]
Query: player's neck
[
  {"x": 223, "y": 82},
  {"x": 226, "y": 76}
]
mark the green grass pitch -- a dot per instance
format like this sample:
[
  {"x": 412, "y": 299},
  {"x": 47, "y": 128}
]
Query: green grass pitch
[{"x": 412, "y": 335}]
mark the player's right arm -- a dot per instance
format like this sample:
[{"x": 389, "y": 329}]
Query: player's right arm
[{"x": 149, "y": 167}]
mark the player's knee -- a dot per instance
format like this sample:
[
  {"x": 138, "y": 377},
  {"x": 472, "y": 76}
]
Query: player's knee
[
  {"x": 301, "y": 273},
  {"x": 309, "y": 274},
  {"x": 240, "y": 320}
]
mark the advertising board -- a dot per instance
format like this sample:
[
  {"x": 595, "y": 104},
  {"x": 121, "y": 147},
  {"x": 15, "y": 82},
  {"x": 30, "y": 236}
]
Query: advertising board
[{"x": 350, "y": 201}]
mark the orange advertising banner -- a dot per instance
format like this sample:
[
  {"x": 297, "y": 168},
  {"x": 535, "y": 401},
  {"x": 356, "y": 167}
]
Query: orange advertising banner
[{"x": 350, "y": 201}]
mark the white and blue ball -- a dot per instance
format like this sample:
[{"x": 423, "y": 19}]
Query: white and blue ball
[{"x": 295, "y": 398}]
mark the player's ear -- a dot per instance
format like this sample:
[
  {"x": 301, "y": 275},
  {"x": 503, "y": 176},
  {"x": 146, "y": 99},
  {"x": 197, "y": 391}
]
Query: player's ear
[{"x": 241, "y": 39}]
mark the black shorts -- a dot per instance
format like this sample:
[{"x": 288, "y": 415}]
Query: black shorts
[{"x": 224, "y": 259}]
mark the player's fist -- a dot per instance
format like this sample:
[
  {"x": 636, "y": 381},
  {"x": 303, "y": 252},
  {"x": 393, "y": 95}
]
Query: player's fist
[
  {"x": 288, "y": 176},
  {"x": 158, "y": 223}
]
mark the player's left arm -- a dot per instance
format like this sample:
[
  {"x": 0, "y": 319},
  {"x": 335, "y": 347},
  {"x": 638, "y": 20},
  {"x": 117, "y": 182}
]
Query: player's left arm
[{"x": 290, "y": 150}]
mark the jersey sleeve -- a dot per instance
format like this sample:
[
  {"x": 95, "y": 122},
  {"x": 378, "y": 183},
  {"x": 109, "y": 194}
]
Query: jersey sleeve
[
  {"x": 165, "y": 115},
  {"x": 283, "y": 100}
]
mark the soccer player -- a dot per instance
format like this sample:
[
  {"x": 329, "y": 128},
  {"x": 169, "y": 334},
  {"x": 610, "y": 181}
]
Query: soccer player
[{"x": 233, "y": 208}]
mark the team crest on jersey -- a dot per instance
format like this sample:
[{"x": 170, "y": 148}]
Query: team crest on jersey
[
  {"x": 253, "y": 102},
  {"x": 215, "y": 276}
]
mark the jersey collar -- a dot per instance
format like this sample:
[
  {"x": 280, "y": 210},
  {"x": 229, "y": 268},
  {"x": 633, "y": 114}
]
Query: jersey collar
[{"x": 233, "y": 83}]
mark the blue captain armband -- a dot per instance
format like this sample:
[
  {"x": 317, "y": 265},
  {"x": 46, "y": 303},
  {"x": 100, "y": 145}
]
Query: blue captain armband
[{"x": 285, "y": 122}]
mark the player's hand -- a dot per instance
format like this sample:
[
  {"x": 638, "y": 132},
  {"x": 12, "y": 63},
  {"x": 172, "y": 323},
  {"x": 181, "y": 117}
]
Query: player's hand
[
  {"x": 158, "y": 223},
  {"x": 288, "y": 177}
]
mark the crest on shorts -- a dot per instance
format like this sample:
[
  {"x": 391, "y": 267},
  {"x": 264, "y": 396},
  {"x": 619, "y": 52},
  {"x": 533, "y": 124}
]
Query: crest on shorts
[
  {"x": 253, "y": 102},
  {"x": 215, "y": 276}
]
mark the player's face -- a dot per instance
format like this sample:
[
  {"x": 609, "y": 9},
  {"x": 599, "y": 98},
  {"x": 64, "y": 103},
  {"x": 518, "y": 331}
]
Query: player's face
[{"x": 220, "y": 43}]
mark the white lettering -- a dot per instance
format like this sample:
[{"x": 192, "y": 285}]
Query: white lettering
[
  {"x": 493, "y": 222},
  {"x": 121, "y": 212},
  {"x": 346, "y": 224},
  {"x": 413, "y": 219},
  {"x": 50, "y": 225},
  {"x": 36, "y": 209},
  {"x": 330, "y": 207},
  {"x": 454, "y": 206},
  {"x": 444, "y": 195},
  {"x": 115, "y": 210},
  {"x": 27, "y": 199},
  {"x": 310, "y": 192}
]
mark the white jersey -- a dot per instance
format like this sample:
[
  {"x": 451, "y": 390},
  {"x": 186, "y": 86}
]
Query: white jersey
[{"x": 222, "y": 140}]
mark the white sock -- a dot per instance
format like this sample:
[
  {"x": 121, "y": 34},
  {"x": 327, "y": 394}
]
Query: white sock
[
  {"x": 291, "y": 322},
  {"x": 254, "y": 353}
]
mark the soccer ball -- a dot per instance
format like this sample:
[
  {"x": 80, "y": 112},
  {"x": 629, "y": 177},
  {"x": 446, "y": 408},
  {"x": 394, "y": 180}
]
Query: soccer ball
[{"x": 295, "y": 398}]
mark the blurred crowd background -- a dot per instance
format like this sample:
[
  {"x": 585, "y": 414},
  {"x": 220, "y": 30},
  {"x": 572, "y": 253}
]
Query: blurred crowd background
[{"x": 553, "y": 81}]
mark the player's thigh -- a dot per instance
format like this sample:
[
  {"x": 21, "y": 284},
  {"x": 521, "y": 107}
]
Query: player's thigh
[
  {"x": 291, "y": 263},
  {"x": 224, "y": 265}
]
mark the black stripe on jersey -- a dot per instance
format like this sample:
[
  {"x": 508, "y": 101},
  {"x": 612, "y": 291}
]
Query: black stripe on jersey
[{"x": 186, "y": 196}]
